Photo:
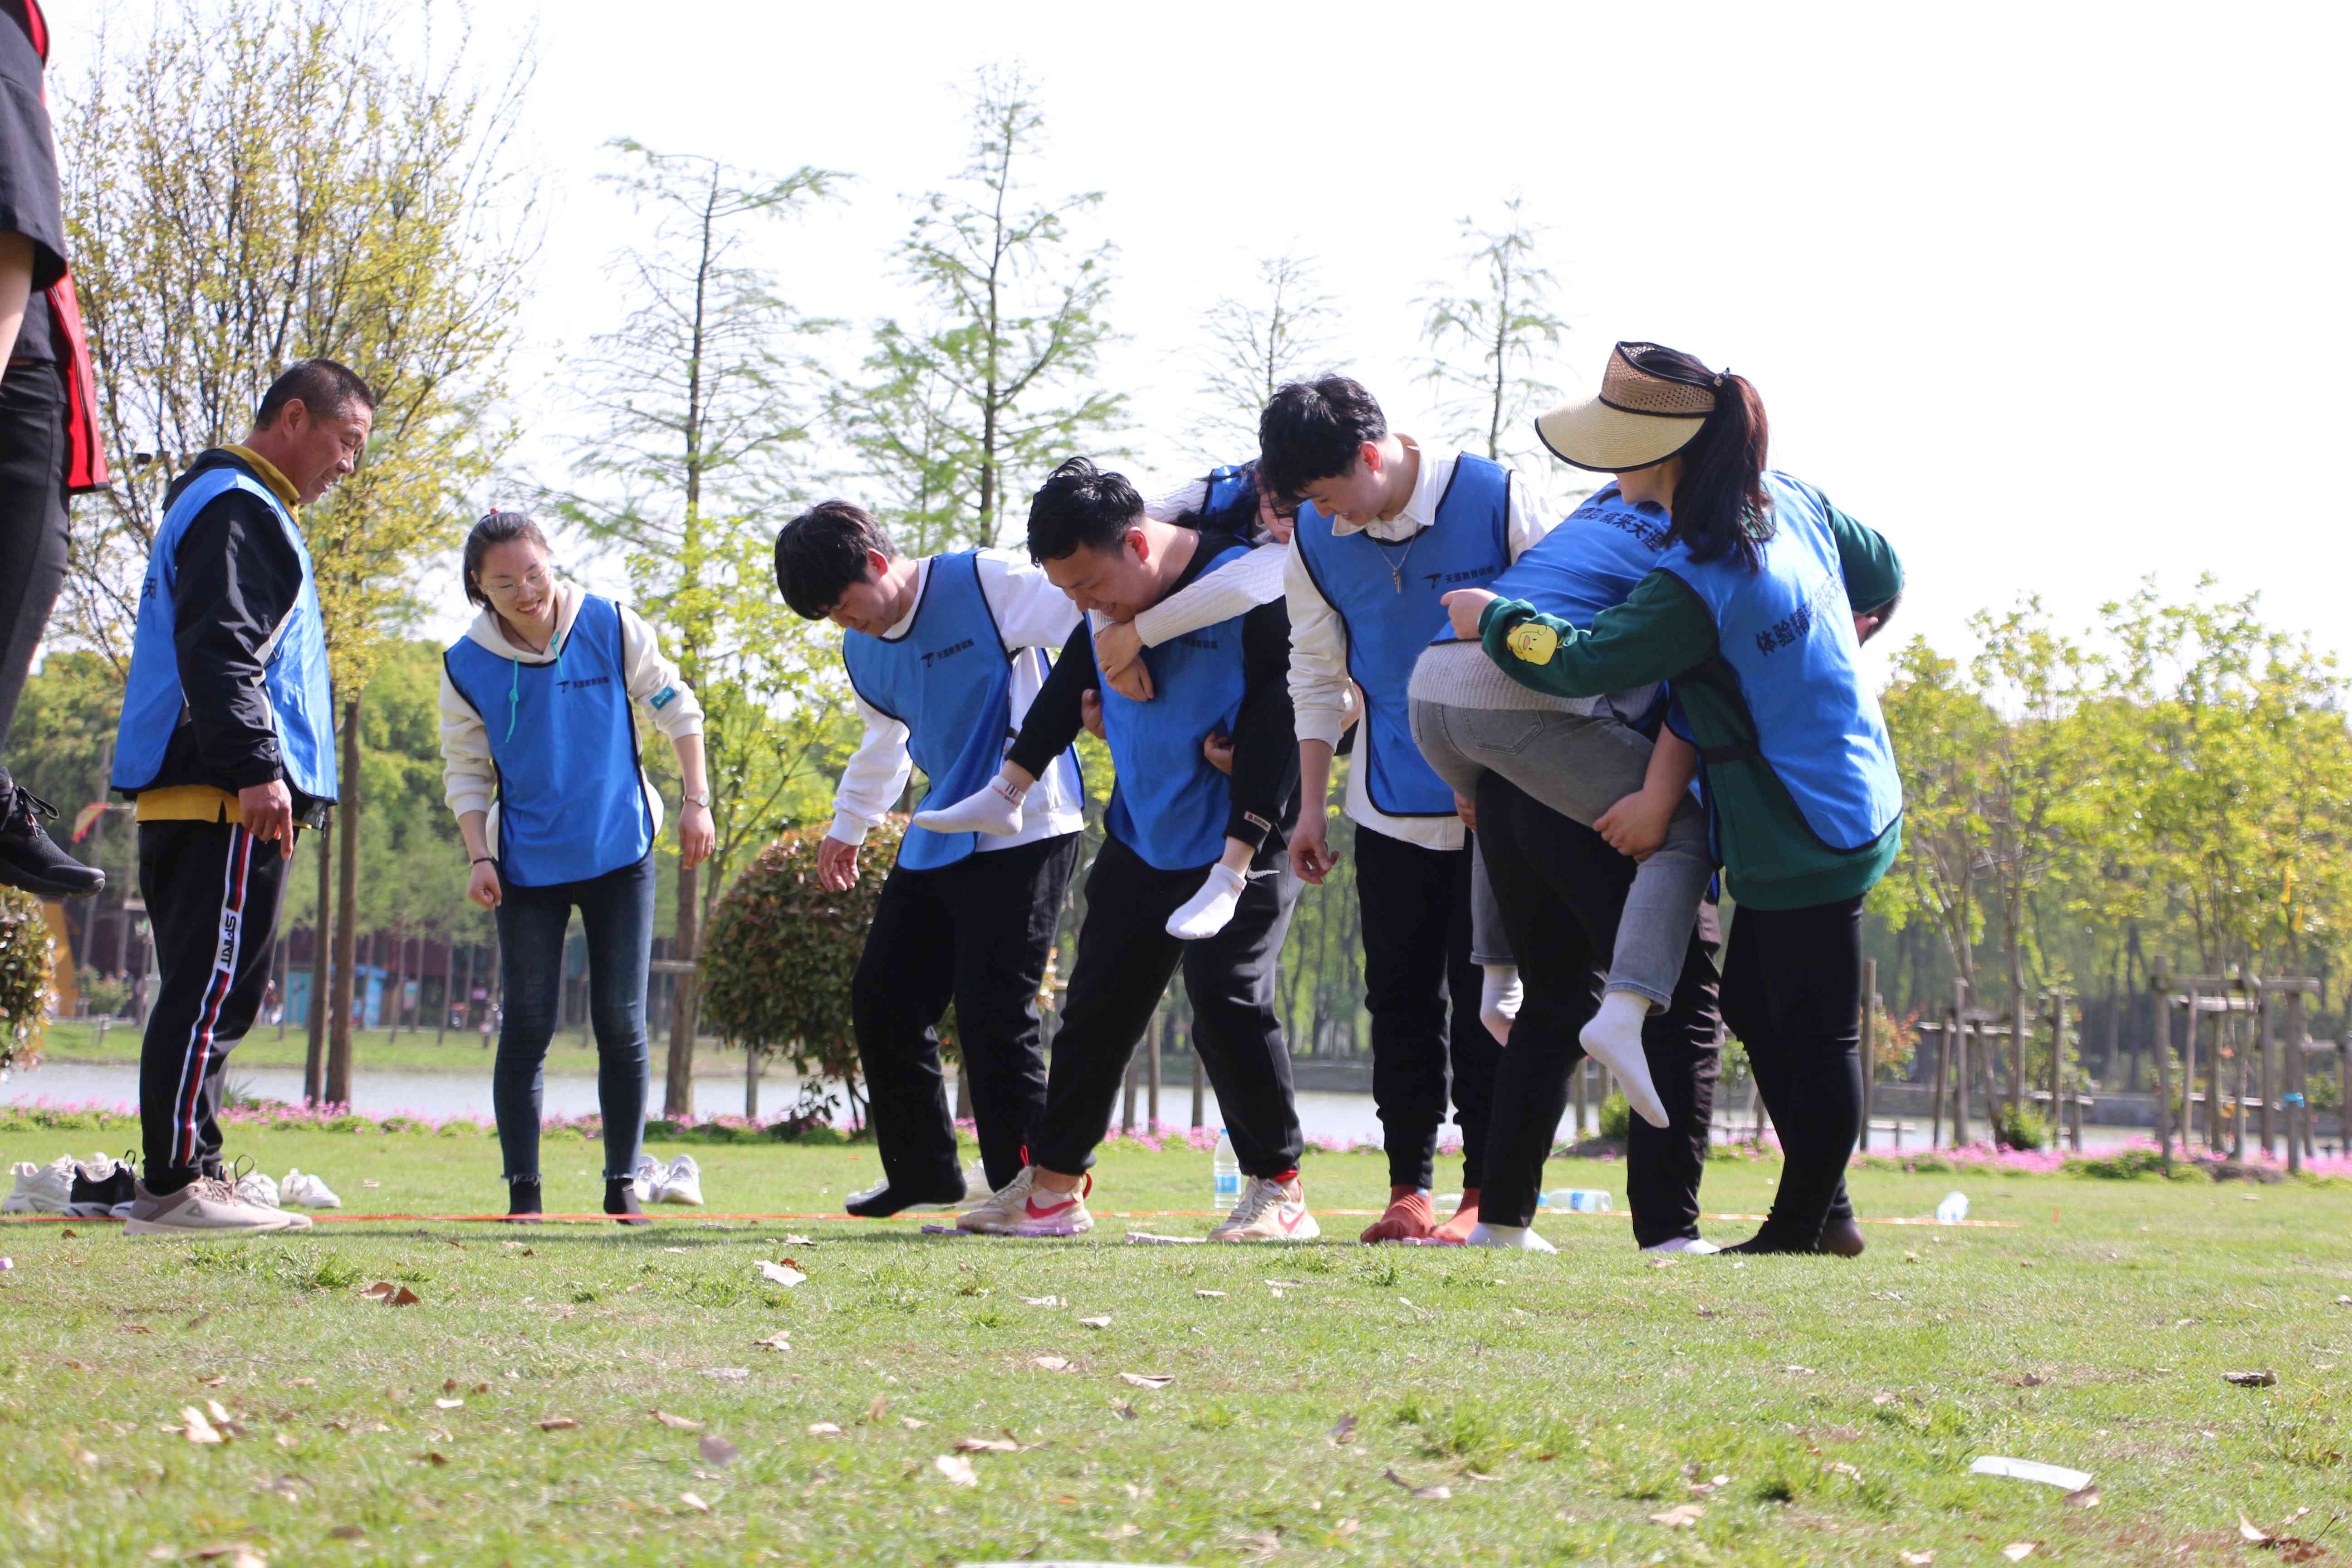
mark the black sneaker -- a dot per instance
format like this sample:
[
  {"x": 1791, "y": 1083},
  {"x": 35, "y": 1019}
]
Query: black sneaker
[
  {"x": 29, "y": 857},
  {"x": 880, "y": 1201},
  {"x": 103, "y": 1189}
]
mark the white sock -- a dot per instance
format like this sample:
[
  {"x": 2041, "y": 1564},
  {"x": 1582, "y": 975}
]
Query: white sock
[
  {"x": 1510, "y": 1237},
  {"x": 994, "y": 808},
  {"x": 1690, "y": 1244},
  {"x": 1206, "y": 913},
  {"x": 1498, "y": 999},
  {"x": 1613, "y": 1038}
]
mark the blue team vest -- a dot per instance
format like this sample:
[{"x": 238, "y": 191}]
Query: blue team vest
[
  {"x": 1169, "y": 804},
  {"x": 1467, "y": 546},
  {"x": 1590, "y": 563},
  {"x": 949, "y": 680},
  {"x": 294, "y": 663},
  {"x": 571, "y": 798},
  {"x": 1227, "y": 487},
  {"x": 1786, "y": 631}
]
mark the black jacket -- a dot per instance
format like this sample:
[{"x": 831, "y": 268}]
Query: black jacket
[{"x": 238, "y": 578}]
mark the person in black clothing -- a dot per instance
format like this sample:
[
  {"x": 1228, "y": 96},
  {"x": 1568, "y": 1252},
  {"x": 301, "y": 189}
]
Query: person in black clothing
[
  {"x": 46, "y": 449},
  {"x": 1173, "y": 815},
  {"x": 227, "y": 744}
]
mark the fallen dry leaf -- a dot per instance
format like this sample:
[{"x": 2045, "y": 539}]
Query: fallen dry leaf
[
  {"x": 913, "y": 1422},
  {"x": 347, "y": 1533},
  {"x": 1210, "y": 1295},
  {"x": 1043, "y": 1302},
  {"x": 694, "y": 1502},
  {"x": 1342, "y": 1429},
  {"x": 957, "y": 1470},
  {"x": 1101, "y": 1322},
  {"x": 448, "y": 1405},
  {"x": 1708, "y": 1312},
  {"x": 1263, "y": 1544},
  {"x": 558, "y": 1424},
  {"x": 874, "y": 1411},
  {"x": 194, "y": 1427},
  {"x": 1917, "y": 1559},
  {"x": 2252, "y": 1532},
  {"x": 1419, "y": 1494},
  {"x": 2087, "y": 1497},
  {"x": 210, "y": 1381},
  {"x": 781, "y": 1340},
  {"x": 2018, "y": 1550},
  {"x": 824, "y": 1429},
  {"x": 786, "y": 1273},
  {"x": 986, "y": 1445},
  {"x": 2251, "y": 1379},
  {"x": 1838, "y": 1467},
  {"x": 727, "y": 1373},
  {"x": 1148, "y": 1379},
  {"x": 678, "y": 1422},
  {"x": 717, "y": 1450},
  {"x": 1122, "y": 1409},
  {"x": 236, "y": 1554},
  {"x": 1051, "y": 1363},
  {"x": 1682, "y": 1516},
  {"x": 436, "y": 1460}
]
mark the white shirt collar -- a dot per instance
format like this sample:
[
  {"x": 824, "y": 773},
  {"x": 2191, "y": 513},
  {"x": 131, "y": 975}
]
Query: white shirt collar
[
  {"x": 1420, "y": 508},
  {"x": 906, "y": 621}
]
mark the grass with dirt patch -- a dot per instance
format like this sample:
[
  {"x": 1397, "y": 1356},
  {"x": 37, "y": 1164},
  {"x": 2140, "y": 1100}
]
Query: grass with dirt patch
[{"x": 1325, "y": 1403}]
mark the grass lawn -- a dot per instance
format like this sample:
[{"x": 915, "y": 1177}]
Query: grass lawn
[{"x": 1559, "y": 1401}]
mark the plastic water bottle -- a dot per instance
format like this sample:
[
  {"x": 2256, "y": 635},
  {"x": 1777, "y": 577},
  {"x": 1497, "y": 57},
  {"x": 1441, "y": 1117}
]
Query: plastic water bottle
[
  {"x": 1577, "y": 1200},
  {"x": 1953, "y": 1209},
  {"x": 1225, "y": 1173}
]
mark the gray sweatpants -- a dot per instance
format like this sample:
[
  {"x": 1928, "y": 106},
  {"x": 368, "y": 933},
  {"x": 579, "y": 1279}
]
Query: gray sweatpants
[{"x": 1580, "y": 765}]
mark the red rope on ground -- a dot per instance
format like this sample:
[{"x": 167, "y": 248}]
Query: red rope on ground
[{"x": 601, "y": 1218}]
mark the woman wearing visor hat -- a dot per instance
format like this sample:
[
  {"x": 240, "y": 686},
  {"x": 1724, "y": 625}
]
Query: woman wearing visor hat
[{"x": 1755, "y": 612}]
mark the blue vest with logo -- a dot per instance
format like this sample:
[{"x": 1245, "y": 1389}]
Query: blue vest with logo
[
  {"x": 294, "y": 662},
  {"x": 1387, "y": 595},
  {"x": 949, "y": 680},
  {"x": 571, "y": 797},
  {"x": 1168, "y": 803},
  {"x": 1591, "y": 562},
  {"x": 1226, "y": 487},
  {"x": 1786, "y": 631}
]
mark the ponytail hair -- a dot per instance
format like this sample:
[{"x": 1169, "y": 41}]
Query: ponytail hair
[
  {"x": 1720, "y": 505},
  {"x": 496, "y": 528}
]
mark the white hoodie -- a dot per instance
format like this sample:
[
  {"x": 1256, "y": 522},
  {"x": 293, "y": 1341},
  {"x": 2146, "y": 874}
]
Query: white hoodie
[{"x": 471, "y": 778}]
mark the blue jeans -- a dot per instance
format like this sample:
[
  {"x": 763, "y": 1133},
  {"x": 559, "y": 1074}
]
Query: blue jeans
[{"x": 617, "y": 908}]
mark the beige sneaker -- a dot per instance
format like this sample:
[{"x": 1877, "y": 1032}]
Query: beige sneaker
[
  {"x": 1269, "y": 1211},
  {"x": 1013, "y": 1209},
  {"x": 205, "y": 1206}
]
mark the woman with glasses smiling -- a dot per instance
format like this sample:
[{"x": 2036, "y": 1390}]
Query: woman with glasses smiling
[{"x": 538, "y": 745}]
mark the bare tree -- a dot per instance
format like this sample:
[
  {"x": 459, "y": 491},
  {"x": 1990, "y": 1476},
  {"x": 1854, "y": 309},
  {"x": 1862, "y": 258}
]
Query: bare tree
[{"x": 1256, "y": 343}]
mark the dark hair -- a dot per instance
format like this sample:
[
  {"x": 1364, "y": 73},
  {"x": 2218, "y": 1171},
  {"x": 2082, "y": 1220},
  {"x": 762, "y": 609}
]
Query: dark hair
[
  {"x": 1720, "y": 504},
  {"x": 822, "y": 551},
  {"x": 496, "y": 528},
  {"x": 1311, "y": 430},
  {"x": 326, "y": 388},
  {"x": 1080, "y": 504}
]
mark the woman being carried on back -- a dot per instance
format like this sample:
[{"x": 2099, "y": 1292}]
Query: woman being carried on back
[
  {"x": 538, "y": 745},
  {"x": 1754, "y": 609}
]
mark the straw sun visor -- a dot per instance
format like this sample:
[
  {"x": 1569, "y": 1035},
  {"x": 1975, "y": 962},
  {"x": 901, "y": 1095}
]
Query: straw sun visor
[{"x": 1639, "y": 419}]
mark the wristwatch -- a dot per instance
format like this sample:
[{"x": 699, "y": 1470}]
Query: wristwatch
[{"x": 702, "y": 800}]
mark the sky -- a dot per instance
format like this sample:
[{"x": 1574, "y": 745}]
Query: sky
[{"x": 2040, "y": 291}]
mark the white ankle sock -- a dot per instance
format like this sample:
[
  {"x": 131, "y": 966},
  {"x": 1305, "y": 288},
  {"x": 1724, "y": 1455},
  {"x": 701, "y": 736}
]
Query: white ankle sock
[
  {"x": 994, "y": 808},
  {"x": 1613, "y": 1038},
  {"x": 1498, "y": 999},
  {"x": 1509, "y": 1238},
  {"x": 1206, "y": 913}
]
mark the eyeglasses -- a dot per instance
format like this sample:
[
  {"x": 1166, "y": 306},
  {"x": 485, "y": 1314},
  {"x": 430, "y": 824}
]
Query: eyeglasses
[{"x": 507, "y": 588}]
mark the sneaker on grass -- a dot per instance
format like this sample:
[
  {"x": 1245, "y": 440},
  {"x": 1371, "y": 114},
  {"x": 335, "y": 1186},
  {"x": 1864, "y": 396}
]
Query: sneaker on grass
[
  {"x": 301, "y": 1190},
  {"x": 880, "y": 1201},
  {"x": 1020, "y": 1207},
  {"x": 1269, "y": 1211},
  {"x": 101, "y": 1189},
  {"x": 41, "y": 1189},
  {"x": 254, "y": 1186},
  {"x": 681, "y": 1183},
  {"x": 205, "y": 1206},
  {"x": 646, "y": 1178}
]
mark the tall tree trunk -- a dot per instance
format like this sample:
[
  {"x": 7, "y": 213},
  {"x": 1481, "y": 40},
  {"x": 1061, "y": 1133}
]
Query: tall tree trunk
[
  {"x": 678, "y": 1084},
  {"x": 347, "y": 904},
  {"x": 398, "y": 979},
  {"x": 314, "y": 1058}
]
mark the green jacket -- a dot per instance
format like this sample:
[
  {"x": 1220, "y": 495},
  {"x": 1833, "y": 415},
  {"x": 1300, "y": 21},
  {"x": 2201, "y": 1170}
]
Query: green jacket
[{"x": 1664, "y": 631}]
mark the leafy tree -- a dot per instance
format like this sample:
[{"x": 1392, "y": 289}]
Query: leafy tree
[
  {"x": 1487, "y": 348},
  {"x": 995, "y": 383},
  {"x": 1255, "y": 344},
  {"x": 698, "y": 401},
  {"x": 253, "y": 185}
]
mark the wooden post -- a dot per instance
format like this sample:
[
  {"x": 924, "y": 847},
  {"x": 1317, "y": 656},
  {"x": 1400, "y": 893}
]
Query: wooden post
[
  {"x": 1151, "y": 1039},
  {"x": 1960, "y": 1033},
  {"x": 1869, "y": 1041},
  {"x": 1584, "y": 1070},
  {"x": 2214, "y": 1127},
  {"x": 2270, "y": 1077},
  {"x": 2057, "y": 1060},
  {"x": 2189, "y": 1066},
  {"x": 1200, "y": 1081},
  {"x": 2297, "y": 1103},
  {"x": 2164, "y": 1073},
  {"x": 1936, "y": 1095},
  {"x": 750, "y": 1083}
]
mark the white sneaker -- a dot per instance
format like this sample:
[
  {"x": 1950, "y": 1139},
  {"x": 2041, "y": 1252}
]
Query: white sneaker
[
  {"x": 646, "y": 1177},
  {"x": 299, "y": 1190},
  {"x": 1690, "y": 1244},
  {"x": 1269, "y": 1211},
  {"x": 41, "y": 1189},
  {"x": 681, "y": 1183},
  {"x": 256, "y": 1188},
  {"x": 1014, "y": 1210},
  {"x": 1509, "y": 1238},
  {"x": 205, "y": 1207}
]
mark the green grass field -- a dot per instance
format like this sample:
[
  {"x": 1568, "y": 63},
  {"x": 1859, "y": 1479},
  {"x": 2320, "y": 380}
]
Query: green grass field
[{"x": 1328, "y": 1404}]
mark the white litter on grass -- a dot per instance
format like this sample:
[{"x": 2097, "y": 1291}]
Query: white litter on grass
[
  {"x": 1145, "y": 1238},
  {"x": 2058, "y": 1475}
]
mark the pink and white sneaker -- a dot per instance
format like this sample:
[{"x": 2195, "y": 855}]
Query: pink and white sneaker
[
  {"x": 1269, "y": 1211},
  {"x": 1016, "y": 1209}
]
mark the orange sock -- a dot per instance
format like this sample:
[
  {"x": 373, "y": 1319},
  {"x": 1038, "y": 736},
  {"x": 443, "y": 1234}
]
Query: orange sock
[
  {"x": 1409, "y": 1215},
  {"x": 1456, "y": 1231}
]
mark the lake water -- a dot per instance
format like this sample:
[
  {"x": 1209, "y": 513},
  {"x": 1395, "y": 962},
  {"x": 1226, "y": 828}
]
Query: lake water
[{"x": 1323, "y": 1114}]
